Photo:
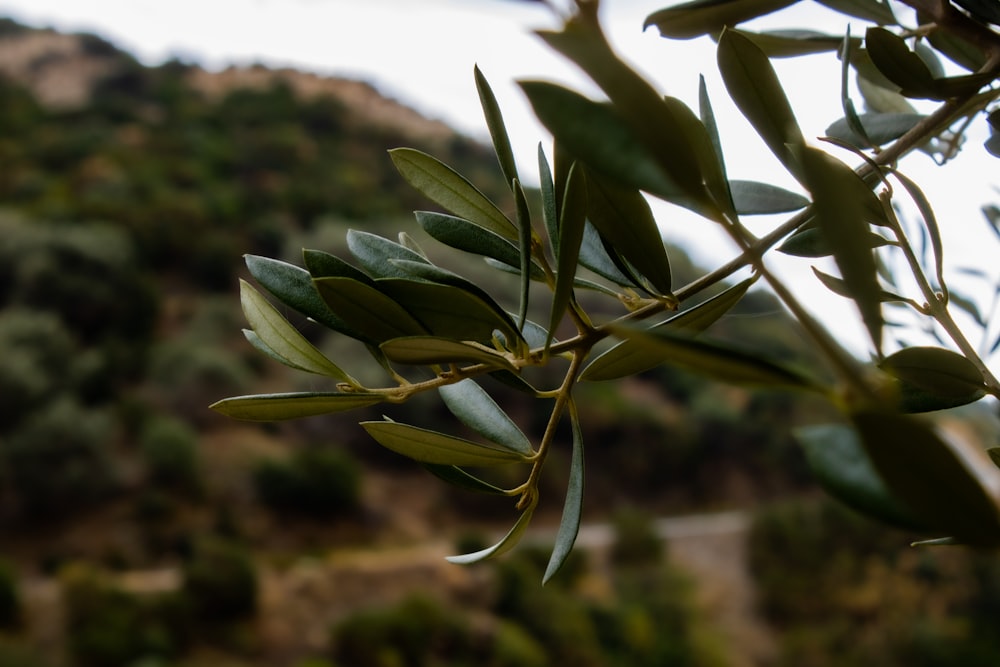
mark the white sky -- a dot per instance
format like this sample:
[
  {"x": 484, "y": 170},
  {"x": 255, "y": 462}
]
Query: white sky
[{"x": 422, "y": 52}]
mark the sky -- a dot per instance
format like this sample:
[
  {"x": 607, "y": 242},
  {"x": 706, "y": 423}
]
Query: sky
[{"x": 422, "y": 53}]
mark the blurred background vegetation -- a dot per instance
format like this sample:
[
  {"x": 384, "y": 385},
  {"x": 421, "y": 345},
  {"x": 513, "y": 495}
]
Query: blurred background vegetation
[{"x": 140, "y": 529}]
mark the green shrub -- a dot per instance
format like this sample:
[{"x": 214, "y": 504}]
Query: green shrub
[
  {"x": 169, "y": 451},
  {"x": 10, "y": 597},
  {"x": 419, "y": 632},
  {"x": 314, "y": 482},
  {"x": 58, "y": 461},
  {"x": 108, "y": 627},
  {"x": 221, "y": 581}
]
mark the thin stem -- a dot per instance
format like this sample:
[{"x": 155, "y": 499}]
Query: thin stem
[
  {"x": 938, "y": 307},
  {"x": 530, "y": 486}
]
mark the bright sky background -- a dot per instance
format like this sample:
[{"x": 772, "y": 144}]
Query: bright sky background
[{"x": 422, "y": 52}]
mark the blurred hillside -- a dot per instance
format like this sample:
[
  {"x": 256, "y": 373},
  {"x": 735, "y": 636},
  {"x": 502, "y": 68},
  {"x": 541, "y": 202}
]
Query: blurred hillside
[{"x": 139, "y": 528}]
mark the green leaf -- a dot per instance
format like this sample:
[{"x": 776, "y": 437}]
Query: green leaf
[
  {"x": 449, "y": 311},
  {"x": 754, "y": 198},
  {"x": 709, "y": 17},
  {"x": 464, "y": 235},
  {"x": 569, "y": 524},
  {"x": 810, "y": 242},
  {"x": 718, "y": 361},
  {"x": 277, "y": 334},
  {"x": 906, "y": 69},
  {"x": 875, "y": 11},
  {"x": 277, "y": 407},
  {"x": 443, "y": 185},
  {"x": 594, "y": 256},
  {"x": 498, "y": 131},
  {"x": 629, "y": 357},
  {"x": 373, "y": 315},
  {"x": 843, "y": 468},
  {"x": 624, "y": 219},
  {"x": 547, "y": 188},
  {"x": 794, "y": 43},
  {"x": 961, "y": 52},
  {"x": 526, "y": 237},
  {"x": 294, "y": 287},
  {"x": 838, "y": 286},
  {"x": 476, "y": 409},
  {"x": 508, "y": 542},
  {"x": 707, "y": 115},
  {"x": 937, "y": 370},
  {"x": 754, "y": 87},
  {"x": 897, "y": 62},
  {"x": 571, "y": 221},
  {"x": 428, "y": 350},
  {"x": 654, "y": 121},
  {"x": 324, "y": 265},
  {"x": 880, "y": 128},
  {"x": 948, "y": 483},
  {"x": 436, "y": 274},
  {"x": 463, "y": 480},
  {"x": 595, "y": 134},
  {"x": 840, "y": 215},
  {"x": 375, "y": 254},
  {"x": 432, "y": 447}
]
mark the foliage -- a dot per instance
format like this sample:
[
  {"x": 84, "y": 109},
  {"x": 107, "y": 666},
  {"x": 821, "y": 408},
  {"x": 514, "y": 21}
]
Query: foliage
[
  {"x": 110, "y": 627},
  {"x": 649, "y": 619},
  {"x": 837, "y": 590},
  {"x": 221, "y": 582},
  {"x": 315, "y": 482},
  {"x": 169, "y": 450},
  {"x": 591, "y": 229}
]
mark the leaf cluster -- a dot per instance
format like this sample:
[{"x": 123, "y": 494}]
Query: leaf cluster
[{"x": 592, "y": 228}]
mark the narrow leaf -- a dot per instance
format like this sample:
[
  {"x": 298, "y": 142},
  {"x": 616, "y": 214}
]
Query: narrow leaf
[
  {"x": 525, "y": 238},
  {"x": 547, "y": 187},
  {"x": 374, "y": 316},
  {"x": 571, "y": 221},
  {"x": 475, "y": 408},
  {"x": 880, "y": 128},
  {"x": 375, "y": 254},
  {"x": 277, "y": 334},
  {"x": 277, "y": 407},
  {"x": 949, "y": 483},
  {"x": 624, "y": 219},
  {"x": 810, "y": 242},
  {"x": 595, "y": 257},
  {"x": 843, "y": 468},
  {"x": 597, "y": 135},
  {"x": 875, "y": 11},
  {"x": 839, "y": 286},
  {"x": 569, "y": 524},
  {"x": 718, "y": 361},
  {"x": 508, "y": 542},
  {"x": 458, "y": 477},
  {"x": 840, "y": 215},
  {"x": 653, "y": 120},
  {"x": 294, "y": 287},
  {"x": 755, "y": 198},
  {"x": 449, "y": 311},
  {"x": 495, "y": 124},
  {"x": 937, "y": 370},
  {"x": 754, "y": 86},
  {"x": 432, "y": 447},
  {"x": 443, "y": 185},
  {"x": 428, "y": 350},
  {"x": 629, "y": 357},
  {"x": 794, "y": 43},
  {"x": 464, "y": 235},
  {"x": 709, "y": 17}
]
